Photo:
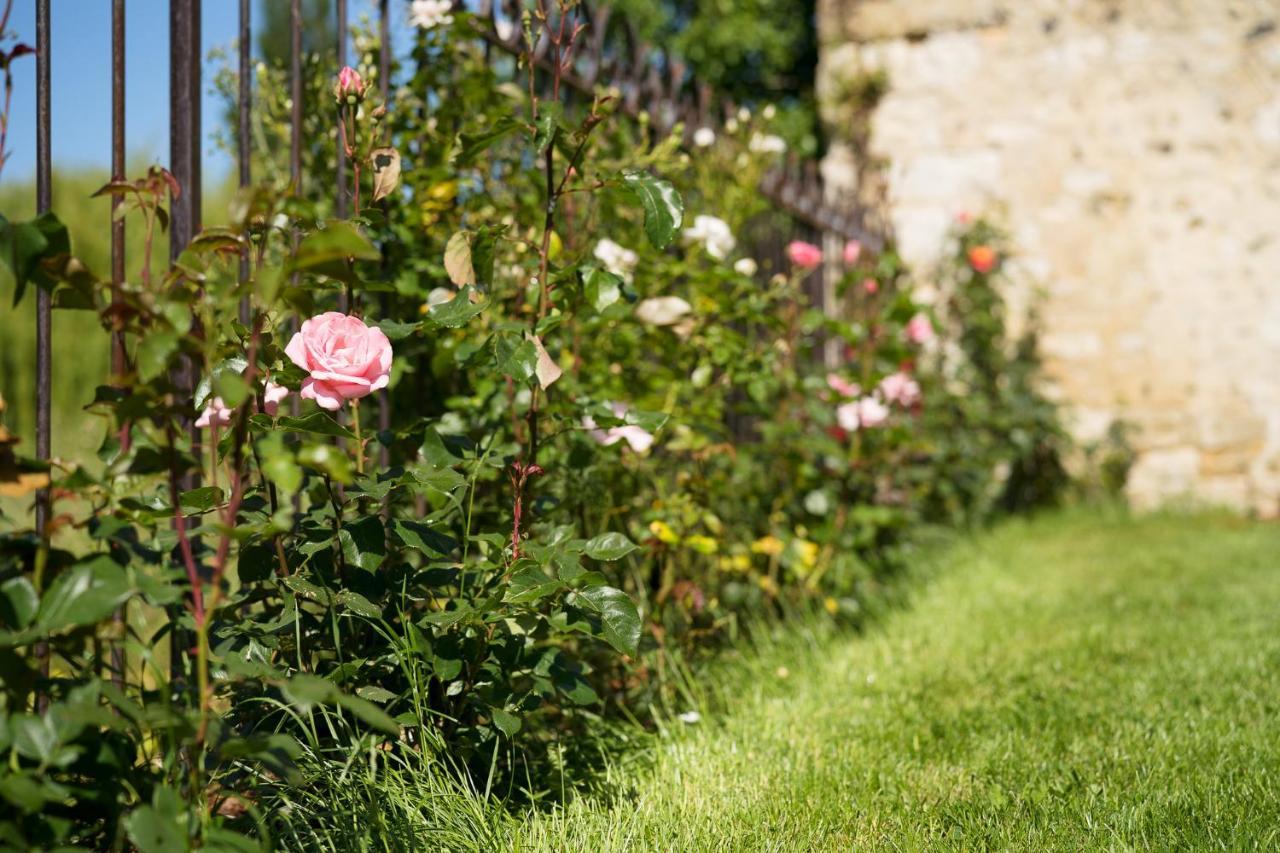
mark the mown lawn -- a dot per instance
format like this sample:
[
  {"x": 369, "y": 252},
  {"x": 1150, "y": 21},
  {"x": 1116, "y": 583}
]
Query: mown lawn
[{"x": 1075, "y": 682}]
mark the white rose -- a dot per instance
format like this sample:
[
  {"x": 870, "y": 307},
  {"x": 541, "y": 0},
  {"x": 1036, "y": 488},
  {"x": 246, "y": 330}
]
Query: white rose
[
  {"x": 713, "y": 234},
  {"x": 704, "y": 137},
  {"x": 662, "y": 310}
]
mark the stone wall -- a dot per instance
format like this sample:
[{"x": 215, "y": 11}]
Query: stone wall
[{"x": 1133, "y": 149}]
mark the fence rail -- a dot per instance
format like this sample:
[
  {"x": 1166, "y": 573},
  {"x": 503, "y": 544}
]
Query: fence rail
[{"x": 649, "y": 80}]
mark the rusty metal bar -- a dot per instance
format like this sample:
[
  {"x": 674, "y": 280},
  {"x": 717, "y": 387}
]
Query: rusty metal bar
[
  {"x": 384, "y": 86},
  {"x": 119, "y": 356},
  {"x": 341, "y": 208},
  {"x": 44, "y": 351},
  {"x": 243, "y": 136},
  {"x": 340, "y": 205},
  {"x": 295, "y": 93},
  {"x": 184, "y": 221}
]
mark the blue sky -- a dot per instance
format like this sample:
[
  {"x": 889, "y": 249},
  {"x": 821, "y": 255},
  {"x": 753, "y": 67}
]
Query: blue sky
[{"x": 81, "y": 50}]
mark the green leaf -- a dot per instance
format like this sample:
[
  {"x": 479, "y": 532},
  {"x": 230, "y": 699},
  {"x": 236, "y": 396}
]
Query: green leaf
[
  {"x": 416, "y": 535},
  {"x": 457, "y": 311},
  {"x": 529, "y": 584},
  {"x": 364, "y": 543},
  {"x": 358, "y": 604},
  {"x": 83, "y": 594},
  {"x": 334, "y": 243},
  {"x": 316, "y": 423},
  {"x": 619, "y": 617},
  {"x": 601, "y": 287},
  {"x": 374, "y": 693},
  {"x": 370, "y": 713},
  {"x": 547, "y": 127},
  {"x": 23, "y": 245},
  {"x": 662, "y": 205},
  {"x": 609, "y": 546},
  {"x": 397, "y": 331},
  {"x": 202, "y": 499},
  {"x": 471, "y": 145},
  {"x": 160, "y": 827},
  {"x": 515, "y": 357},
  {"x": 153, "y": 354},
  {"x": 18, "y": 603},
  {"x": 506, "y": 722}
]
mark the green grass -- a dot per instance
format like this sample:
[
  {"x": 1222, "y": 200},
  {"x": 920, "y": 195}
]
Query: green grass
[{"x": 1076, "y": 682}]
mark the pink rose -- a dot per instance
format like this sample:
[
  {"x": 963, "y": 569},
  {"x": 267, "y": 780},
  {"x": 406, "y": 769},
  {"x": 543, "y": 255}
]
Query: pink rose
[
  {"x": 901, "y": 389},
  {"x": 866, "y": 413},
  {"x": 842, "y": 386},
  {"x": 350, "y": 85},
  {"x": 852, "y": 250},
  {"x": 346, "y": 359},
  {"x": 272, "y": 396},
  {"x": 870, "y": 286},
  {"x": 804, "y": 255},
  {"x": 636, "y": 438},
  {"x": 215, "y": 414},
  {"x": 919, "y": 329}
]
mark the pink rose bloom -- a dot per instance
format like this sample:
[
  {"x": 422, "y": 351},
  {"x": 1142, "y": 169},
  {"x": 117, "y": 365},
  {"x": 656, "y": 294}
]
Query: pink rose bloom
[
  {"x": 842, "y": 386},
  {"x": 919, "y": 329},
  {"x": 901, "y": 389},
  {"x": 636, "y": 438},
  {"x": 804, "y": 255},
  {"x": 272, "y": 395},
  {"x": 349, "y": 85},
  {"x": 346, "y": 359},
  {"x": 852, "y": 250},
  {"x": 215, "y": 414},
  {"x": 870, "y": 286},
  {"x": 866, "y": 413},
  {"x": 964, "y": 217}
]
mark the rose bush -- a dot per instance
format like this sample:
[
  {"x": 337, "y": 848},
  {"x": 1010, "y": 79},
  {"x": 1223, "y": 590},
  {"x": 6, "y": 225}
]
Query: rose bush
[{"x": 570, "y": 424}]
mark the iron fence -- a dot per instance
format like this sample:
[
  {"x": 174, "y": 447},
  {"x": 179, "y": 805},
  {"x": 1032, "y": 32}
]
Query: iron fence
[{"x": 648, "y": 78}]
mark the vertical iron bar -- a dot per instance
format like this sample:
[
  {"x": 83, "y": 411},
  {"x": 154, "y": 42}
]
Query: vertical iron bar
[
  {"x": 295, "y": 92},
  {"x": 246, "y": 85},
  {"x": 119, "y": 357},
  {"x": 384, "y": 84},
  {"x": 341, "y": 204},
  {"x": 184, "y": 217},
  {"x": 44, "y": 200}
]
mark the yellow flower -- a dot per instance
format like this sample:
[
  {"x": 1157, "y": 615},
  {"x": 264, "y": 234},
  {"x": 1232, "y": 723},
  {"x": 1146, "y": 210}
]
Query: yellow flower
[
  {"x": 735, "y": 563},
  {"x": 807, "y": 552},
  {"x": 770, "y": 545},
  {"x": 832, "y": 606},
  {"x": 768, "y": 585},
  {"x": 702, "y": 544},
  {"x": 663, "y": 531}
]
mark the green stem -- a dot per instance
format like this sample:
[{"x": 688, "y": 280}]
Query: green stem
[{"x": 355, "y": 417}]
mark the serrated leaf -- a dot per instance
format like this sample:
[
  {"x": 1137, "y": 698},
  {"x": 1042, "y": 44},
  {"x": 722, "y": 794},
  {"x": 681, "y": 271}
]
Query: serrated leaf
[
  {"x": 530, "y": 584},
  {"x": 457, "y": 311},
  {"x": 316, "y": 423},
  {"x": 663, "y": 208}
]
